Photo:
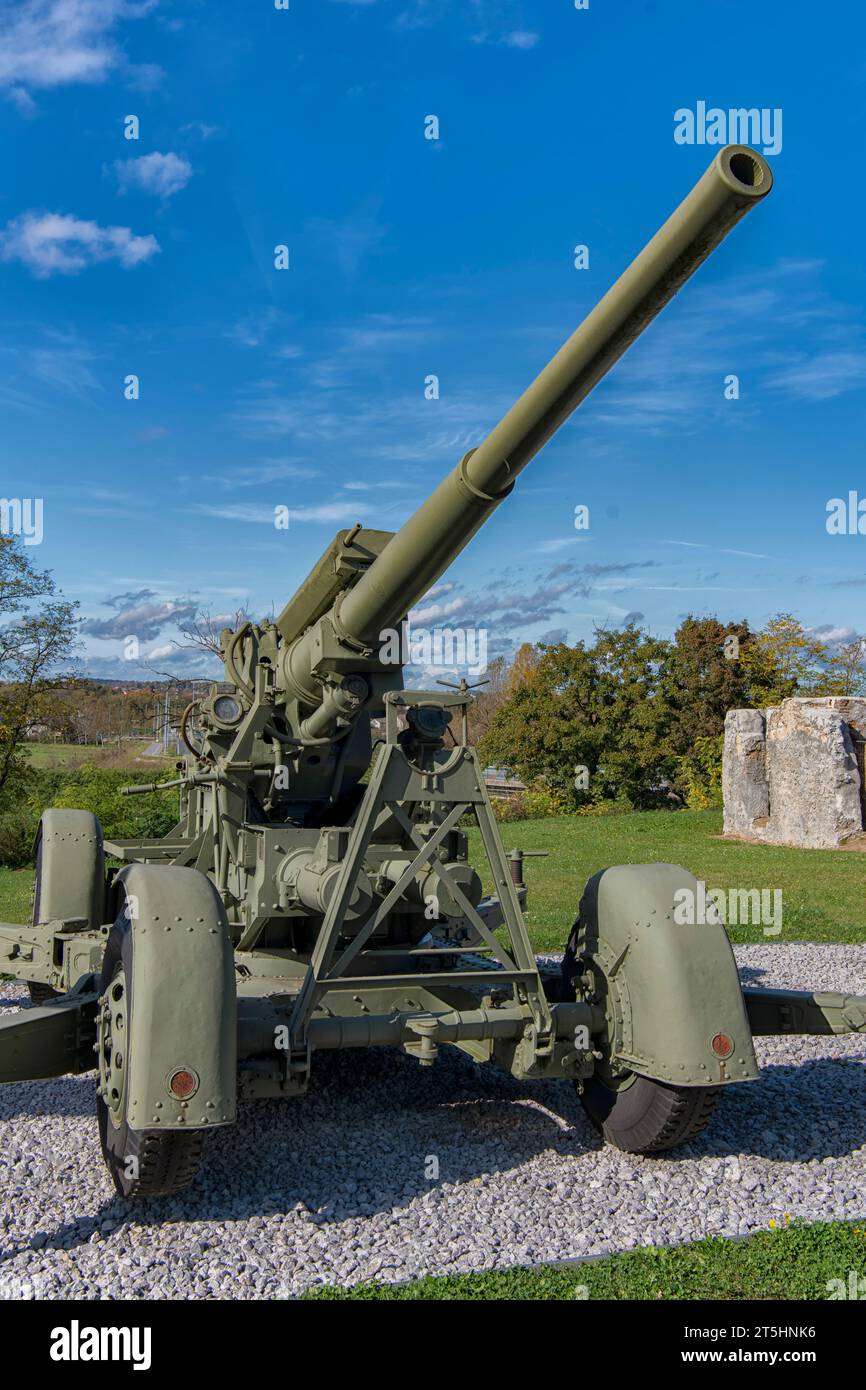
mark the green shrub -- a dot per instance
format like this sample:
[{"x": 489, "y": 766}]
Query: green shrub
[
  {"x": 85, "y": 789},
  {"x": 700, "y": 773},
  {"x": 608, "y": 806},
  {"x": 538, "y": 801},
  {"x": 17, "y": 830},
  {"x": 122, "y": 817},
  {"x": 20, "y": 809}
]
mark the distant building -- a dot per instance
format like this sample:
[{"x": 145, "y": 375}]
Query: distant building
[{"x": 502, "y": 782}]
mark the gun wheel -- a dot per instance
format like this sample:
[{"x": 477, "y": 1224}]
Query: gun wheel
[
  {"x": 643, "y": 1116},
  {"x": 142, "y": 1162}
]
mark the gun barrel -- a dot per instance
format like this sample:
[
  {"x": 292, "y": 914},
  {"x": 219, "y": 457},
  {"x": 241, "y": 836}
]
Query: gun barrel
[{"x": 423, "y": 548}]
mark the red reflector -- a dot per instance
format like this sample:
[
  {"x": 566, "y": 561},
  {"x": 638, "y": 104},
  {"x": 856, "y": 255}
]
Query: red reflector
[
  {"x": 722, "y": 1045},
  {"x": 182, "y": 1084}
]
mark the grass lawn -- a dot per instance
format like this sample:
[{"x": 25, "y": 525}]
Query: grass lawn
[
  {"x": 823, "y": 891},
  {"x": 59, "y": 754},
  {"x": 72, "y": 755},
  {"x": 15, "y": 887},
  {"x": 793, "y": 1262}
]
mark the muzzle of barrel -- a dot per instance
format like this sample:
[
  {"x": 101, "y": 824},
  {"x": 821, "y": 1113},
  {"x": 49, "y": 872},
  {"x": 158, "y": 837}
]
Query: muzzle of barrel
[{"x": 422, "y": 549}]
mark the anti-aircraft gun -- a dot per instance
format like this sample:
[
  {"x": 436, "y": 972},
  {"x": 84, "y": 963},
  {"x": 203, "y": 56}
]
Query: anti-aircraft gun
[{"x": 317, "y": 890}]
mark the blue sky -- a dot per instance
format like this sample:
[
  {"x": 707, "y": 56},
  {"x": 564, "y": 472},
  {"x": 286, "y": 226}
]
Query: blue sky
[{"x": 409, "y": 257}]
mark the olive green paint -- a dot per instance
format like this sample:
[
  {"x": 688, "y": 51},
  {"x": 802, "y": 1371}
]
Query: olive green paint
[{"x": 316, "y": 891}]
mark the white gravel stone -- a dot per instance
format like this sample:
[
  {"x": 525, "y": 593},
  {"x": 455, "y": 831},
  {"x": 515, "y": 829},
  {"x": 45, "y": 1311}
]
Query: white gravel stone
[{"x": 332, "y": 1188}]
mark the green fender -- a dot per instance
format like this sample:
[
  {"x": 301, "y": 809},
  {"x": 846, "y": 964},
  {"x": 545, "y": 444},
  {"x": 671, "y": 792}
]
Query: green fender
[
  {"x": 184, "y": 1004},
  {"x": 667, "y": 989},
  {"x": 70, "y": 881}
]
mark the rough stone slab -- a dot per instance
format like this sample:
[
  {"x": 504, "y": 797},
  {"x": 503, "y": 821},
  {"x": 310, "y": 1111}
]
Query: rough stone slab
[
  {"x": 813, "y": 780},
  {"x": 852, "y": 709},
  {"x": 744, "y": 777},
  {"x": 790, "y": 774}
]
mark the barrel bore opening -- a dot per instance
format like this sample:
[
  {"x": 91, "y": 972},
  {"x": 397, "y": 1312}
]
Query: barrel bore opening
[{"x": 746, "y": 169}]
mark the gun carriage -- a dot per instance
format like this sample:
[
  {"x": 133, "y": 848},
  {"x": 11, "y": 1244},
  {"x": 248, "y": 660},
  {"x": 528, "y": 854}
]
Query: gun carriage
[{"x": 317, "y": 890}]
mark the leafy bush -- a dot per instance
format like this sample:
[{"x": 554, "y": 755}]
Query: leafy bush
[
  {"x": 17, "y": 829},
  {"x": 86, "y": 789},
  {"x": 540, "y": 799},
  {"x": 700, "y": 773},
  {"x": 609, "y": 806},
  {"x": 20, "y": 808},
  {"x": 537, "y": 802},
  {"x": 121, "y": 817}
]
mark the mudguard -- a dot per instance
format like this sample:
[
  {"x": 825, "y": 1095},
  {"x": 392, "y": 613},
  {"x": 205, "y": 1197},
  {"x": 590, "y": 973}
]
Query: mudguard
[
  {"x": 70, "y": 869},
  {"x": 183, "y": 1012},
  {"x": 668, "y": 989}
]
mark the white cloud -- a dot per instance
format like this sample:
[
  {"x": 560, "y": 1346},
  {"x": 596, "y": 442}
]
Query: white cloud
[
  {"x": 515, "y": 38},
  {"x": 52, "y": 243},
  {"x": 161, "y": 174},
  {"x": 22, "y": 99},
  {"x": 778, "y": 323},
  {"x": 269, "y": 470},
  {"x": 200, "y": 128},
  {"x": 434, "y": 612},
  {"x": 551, "y": 546},
  {"x": 823, "y": 375},
  {"x": 65, "y": 367},
  {"x": 252, "y": 330},
  {"x": 376, "y": 332},
  {"x": 341, "y": 512},
  {"x": 49, "y": 43},
  {"x": 521, "y": 38},
  {"x": 488, "y": 21},
  {"x": 352, "y": 239}
]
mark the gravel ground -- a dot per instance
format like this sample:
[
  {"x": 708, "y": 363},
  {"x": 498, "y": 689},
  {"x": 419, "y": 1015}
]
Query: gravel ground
[{"x": 336, "y": 1187}]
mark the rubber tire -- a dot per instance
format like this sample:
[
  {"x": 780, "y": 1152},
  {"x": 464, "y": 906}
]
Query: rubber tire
[
  {"x": 648, "y": 1116},
  {"x": 167, "y": 1160}
]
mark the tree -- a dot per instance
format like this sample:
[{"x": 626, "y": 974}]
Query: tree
[
  {"x": 202, "y": 631},
  {"x": 544, "y": 728},
  {"x": 782, "y": 660},
  {"x": 37, "y": 634},
  {"x": 487, "y": 699},
  {"x": 849, "y": 667},
  {"x": 524, "y": 666},
  {"x": 635, "y": 714},
  {"x": 601, "y": 708},
  {"x": 704, "y": 678}
]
